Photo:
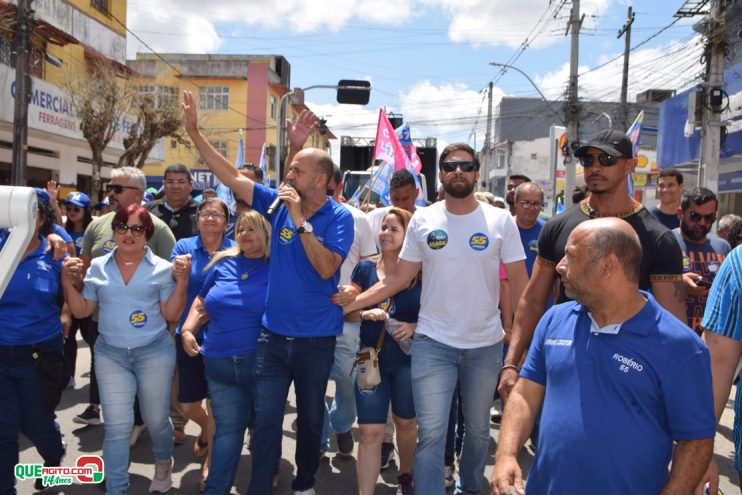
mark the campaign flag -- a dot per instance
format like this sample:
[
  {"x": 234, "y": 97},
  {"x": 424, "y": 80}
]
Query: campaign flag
[
  {"x": 634, "y": 134},
  {"x": 388, "y": 149},
  {"x": 405, "y": 139},
  {"x": 266, "y": 178},
  {"x": 223, "y": 192},
  {"x": 378, "y": 183}
]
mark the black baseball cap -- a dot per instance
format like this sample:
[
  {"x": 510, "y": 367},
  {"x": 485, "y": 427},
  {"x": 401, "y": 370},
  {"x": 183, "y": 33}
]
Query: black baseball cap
[{"x": 610, "y": 141}]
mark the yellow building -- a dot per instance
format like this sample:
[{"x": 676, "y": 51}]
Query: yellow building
[
  {"x": 234, "y": 93},
  {"x": 67, "y": 35}
]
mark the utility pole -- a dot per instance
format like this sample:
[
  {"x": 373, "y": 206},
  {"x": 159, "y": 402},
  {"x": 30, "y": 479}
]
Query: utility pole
[
  {"x": 708, "y": 163},
  {"x": 22, "y": 88},
  {"x": 573, "y": 108},
  {"x": 487, "y": 148},
  {"x": 624, "y": 109}
]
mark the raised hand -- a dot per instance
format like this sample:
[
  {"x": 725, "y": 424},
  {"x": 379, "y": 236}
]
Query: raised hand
[
  {"x": 190, "y": 113},
  {"x": 52, "y": 189},
  {"x": 182, "y": 267},
  {"x": 299, "y": 131}
]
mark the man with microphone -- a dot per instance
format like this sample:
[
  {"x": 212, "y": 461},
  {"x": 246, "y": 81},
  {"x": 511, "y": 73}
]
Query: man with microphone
[{"x": 310, "y": 238}]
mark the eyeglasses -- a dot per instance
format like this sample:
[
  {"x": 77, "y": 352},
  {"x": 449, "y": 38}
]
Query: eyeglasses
[
  {"x": 118, "y": 188},
  {"x": 530, "y": 204},
  {"x": 697, "y": 217},
  {"x": 588, "y": 161},
  {"x": 176, "y": 182},
  {"x": 122, "y": 228},
  {"x": 464, "y": 166},
  {"x": 205, "y": 215},
  {"x": 73, "y": 208}
]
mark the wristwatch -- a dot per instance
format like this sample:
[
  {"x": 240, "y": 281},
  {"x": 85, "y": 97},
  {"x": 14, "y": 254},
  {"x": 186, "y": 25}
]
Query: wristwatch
[{"x": 306, "y": 227}]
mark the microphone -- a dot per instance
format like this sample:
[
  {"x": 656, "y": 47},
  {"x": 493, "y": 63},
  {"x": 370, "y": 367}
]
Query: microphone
[
  {"x": 273, "y": 207},
  {"x": 276, "y": 202}
]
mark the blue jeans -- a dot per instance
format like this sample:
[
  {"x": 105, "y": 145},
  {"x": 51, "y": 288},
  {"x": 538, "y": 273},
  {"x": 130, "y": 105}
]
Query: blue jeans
[
  {"x": 435, "y": 369},
  {"x": 281, "y": 360},
  {"x": 231, "y": 382},
  {"x": 341, "y": 415},
  {"x": 23, "y": 411},
  {"x": 123, "y": 374}
]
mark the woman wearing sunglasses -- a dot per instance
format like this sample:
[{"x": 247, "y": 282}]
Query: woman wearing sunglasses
[
  {"x": 233, "y": 298},
  {"x": 79, "y": 216},
  {"x": 212, "y": 215},
  {"x": 135, "y": 293}
]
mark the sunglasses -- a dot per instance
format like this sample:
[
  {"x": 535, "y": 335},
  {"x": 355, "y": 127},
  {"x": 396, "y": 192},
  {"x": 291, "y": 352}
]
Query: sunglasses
[
  {"x": 464, "y": 166},
  {"x": 588, "y": 161},
  {"x": 122, "y": 228},
  {"x": 118, "y": 188},
  {"x": 73, "y": 208},
  {"x": 697, "y": 217},
  {"x": 205, "y": 215}
]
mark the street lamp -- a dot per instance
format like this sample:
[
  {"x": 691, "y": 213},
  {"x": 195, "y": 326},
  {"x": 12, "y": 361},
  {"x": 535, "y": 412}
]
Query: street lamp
[
  {"x": 496, "y": 64},
  {"x": 348, "y": 91}
]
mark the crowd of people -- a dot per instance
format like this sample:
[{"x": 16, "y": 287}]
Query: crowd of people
[{"x": 610, "y": 333}]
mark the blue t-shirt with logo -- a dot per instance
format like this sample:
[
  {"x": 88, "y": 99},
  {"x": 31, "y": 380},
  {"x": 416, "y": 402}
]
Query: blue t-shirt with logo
[
  {"x": 234, "y": 298},
  {"x": 77, "y": 238},
  {"x": 615, "y": 399},
  {"x": 129, "y": 314},
  {"x": 403, "y": 306},
  {"x": 31, "y": 303},
  {"x": 200, "y": 257},
  {"x": 298, "y": 303},
  {"x": 529, "y": 239}
]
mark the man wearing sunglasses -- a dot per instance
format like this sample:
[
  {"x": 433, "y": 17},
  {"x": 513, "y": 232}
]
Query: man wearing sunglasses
[
  {"x": 177, "y": 208},
  {"x": 702, "y": 254},
  {"x": 607, "y": 159},
  {"x": 126, "y": 188},
  {"x": 459, "y": 244}
]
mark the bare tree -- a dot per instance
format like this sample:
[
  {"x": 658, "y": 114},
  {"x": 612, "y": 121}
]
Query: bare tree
[
  {"x": 100, "y": 101},
  {"x": 153, "y": 123}
]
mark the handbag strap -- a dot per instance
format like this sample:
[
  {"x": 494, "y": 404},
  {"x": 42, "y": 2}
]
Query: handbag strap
[{"x": 380, "y": 340}]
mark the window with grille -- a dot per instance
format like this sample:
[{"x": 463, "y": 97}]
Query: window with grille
[
  {"x": 101, "y": 5},
  {"x": 6, "y": 51},
  {"x": 214, "y": 98},
  {"x": 160, "y": 96},
  {"x": 220, "y": 146}
]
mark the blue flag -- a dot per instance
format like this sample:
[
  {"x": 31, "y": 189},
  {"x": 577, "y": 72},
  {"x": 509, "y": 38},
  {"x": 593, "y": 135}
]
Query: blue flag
[{"x": 223, "y": 192}]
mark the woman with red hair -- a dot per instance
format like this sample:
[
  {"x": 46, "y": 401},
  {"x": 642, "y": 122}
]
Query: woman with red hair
[{"x": 136, "y": 293}]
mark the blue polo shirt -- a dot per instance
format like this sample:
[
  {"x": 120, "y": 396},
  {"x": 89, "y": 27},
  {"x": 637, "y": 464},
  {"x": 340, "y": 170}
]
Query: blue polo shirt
[
  {"x": 200, "y": 257},
  {"x": 31, "y": 304},
  {"x": 298, "y": 303},
  {"x": 529, "y": 239},
  {"x": 129, "y": 314},
  {"x": 234, "y": 297},
  {"x": 615, "y": 399}
]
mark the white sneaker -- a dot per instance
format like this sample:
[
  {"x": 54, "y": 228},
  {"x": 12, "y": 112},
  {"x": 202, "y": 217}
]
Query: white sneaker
[
  {"x": 304, "y": 492},
  {"x": 448, "y": 475},
  {"x": 136, "y": 432},
  {"x": 163, "y": 479}
]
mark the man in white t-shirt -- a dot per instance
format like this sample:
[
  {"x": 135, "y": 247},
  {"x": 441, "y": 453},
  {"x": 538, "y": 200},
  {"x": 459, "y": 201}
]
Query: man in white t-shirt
[
  {"x": 459, "y": 244},
  {"x": 343, "y": 412}
]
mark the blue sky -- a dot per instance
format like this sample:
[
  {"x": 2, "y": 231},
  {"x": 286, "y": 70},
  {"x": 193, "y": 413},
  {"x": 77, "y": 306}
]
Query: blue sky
[{"x": 428, "y": 59}]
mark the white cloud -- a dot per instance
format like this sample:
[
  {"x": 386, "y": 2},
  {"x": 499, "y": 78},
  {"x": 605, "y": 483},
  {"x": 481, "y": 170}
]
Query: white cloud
[
  {"x": 674, "y": 65},
  {"x": 447, "y": 112}
]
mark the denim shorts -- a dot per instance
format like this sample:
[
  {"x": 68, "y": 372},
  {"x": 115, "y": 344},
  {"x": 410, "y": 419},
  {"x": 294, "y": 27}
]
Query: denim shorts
[{"x": 395, "y": 386}]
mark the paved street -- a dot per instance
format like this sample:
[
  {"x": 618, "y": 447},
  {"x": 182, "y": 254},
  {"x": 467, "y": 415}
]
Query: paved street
[{"x": 336, "y": 474}]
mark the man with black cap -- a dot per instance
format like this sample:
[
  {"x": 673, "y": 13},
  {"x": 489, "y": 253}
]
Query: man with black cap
[{"x": 608, "y": 159}]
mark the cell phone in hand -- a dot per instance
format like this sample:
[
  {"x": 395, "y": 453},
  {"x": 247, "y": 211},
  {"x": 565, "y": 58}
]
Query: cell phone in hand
[{"x": 703, "y": 282}]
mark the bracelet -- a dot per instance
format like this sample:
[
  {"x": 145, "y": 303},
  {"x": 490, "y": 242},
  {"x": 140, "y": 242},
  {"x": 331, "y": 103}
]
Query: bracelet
[{"x": 509, "y": 367}]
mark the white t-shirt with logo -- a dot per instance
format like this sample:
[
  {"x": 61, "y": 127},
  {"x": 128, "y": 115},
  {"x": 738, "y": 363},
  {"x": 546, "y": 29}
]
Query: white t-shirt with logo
[
  {"x": 461, "y": 257},
  {"x": 363, "y": 244}
]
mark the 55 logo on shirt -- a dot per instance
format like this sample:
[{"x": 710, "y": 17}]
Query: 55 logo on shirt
[{"x": 138, "y": 318}]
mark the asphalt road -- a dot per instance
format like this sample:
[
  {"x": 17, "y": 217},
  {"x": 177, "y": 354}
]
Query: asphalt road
[{"x": 336, "y": 474}]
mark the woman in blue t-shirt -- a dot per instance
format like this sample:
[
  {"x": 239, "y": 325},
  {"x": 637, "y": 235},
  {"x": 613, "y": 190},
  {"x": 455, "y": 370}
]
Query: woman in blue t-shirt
[
  {"x": 397, "y": 318},
  {"x": 232, "y": 299},
  {"x": 79, "y": 215},
  {"x": 29, "y": 326}
]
